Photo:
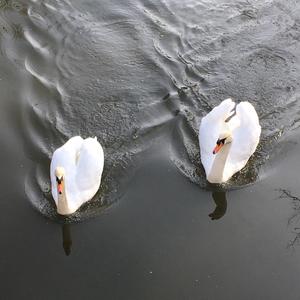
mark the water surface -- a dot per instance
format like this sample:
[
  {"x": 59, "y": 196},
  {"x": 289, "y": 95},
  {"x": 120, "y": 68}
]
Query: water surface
[{"x": 140, "y": 75}]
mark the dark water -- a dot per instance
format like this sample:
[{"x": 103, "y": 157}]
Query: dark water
[{"x": 139, "y": 75}]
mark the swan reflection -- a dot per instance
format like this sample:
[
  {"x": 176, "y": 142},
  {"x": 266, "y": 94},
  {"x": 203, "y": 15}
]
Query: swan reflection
[
  {"x": 67, "y": 238},
  {"x": 219, "y": 198}
]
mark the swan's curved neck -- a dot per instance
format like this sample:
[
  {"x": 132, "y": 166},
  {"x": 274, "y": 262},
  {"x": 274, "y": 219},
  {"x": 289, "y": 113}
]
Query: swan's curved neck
[
  {"x": 216, "y": 172},
  {"x": 62, "y": 202}
]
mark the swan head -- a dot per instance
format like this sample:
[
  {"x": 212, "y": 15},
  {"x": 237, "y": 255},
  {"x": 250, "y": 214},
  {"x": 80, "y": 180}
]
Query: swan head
[
  {"x": 224, "y": 138},
  {"x": 59, "y": 174}
]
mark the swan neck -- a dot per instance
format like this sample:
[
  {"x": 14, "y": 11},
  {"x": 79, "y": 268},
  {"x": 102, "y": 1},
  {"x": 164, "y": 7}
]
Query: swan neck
[
  {"x": 62, "y": 202},
  {"x": 217, "y": 170}
]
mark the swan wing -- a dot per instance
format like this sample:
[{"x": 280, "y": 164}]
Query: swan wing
[
  {"x": 89, "y": 168},
  {"x": 65, "y": 157},
  {"x": 245, "y": 139},
  {"x": 209, "y": 131}
]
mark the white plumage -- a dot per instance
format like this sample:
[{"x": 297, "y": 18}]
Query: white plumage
[
  {"x": 78, "y": 165},
  {"x": 240, "y": 124}
]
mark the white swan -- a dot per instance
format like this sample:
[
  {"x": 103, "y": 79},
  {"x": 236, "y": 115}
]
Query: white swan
[
  {"x": 228, "y": 136},
  {"x": 75, "y": 172}
]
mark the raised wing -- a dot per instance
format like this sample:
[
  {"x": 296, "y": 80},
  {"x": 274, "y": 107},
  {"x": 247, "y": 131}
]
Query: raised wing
[
  {"x": 245, "y": 139},
  {"x": 89, "y": 167}
]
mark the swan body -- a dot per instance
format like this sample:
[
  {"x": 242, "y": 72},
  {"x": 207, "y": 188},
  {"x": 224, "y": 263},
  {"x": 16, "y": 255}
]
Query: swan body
[
  {"x": 228, "y": 136},
  {"x": 75, "y": 172}
]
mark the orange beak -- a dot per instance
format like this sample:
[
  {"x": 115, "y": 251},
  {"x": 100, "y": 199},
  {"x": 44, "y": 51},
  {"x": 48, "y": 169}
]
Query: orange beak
[
  {"x": 59, "y": 188},
  {"x": 217, "y": 148}
]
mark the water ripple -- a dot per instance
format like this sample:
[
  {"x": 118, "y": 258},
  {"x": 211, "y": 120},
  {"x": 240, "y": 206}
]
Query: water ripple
[
  {"x": 229, "y": 50},
  {"x": 135, "y": 79}
]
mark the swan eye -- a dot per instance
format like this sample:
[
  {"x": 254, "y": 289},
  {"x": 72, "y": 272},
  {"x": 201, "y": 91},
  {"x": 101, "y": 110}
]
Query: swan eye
[
  {"x": 58, "y": 180},
  {"x": 222, "y": 141}
]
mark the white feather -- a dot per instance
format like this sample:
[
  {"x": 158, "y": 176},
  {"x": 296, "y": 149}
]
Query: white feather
[
  {"x": 245, "y": 131},
  {"x": 83, "y": 161}
]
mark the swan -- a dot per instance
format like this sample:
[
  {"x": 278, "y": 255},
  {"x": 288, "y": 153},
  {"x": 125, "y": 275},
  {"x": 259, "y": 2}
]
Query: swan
[
  {"x": 228, "y": 136},
  {"x": 75, "y": 172}
]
